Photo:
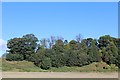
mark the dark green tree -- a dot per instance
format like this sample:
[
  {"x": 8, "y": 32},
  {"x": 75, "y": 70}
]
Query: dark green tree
[
  {"x": 57, "y": 53},
  {"x": 104, "y": 41},
  {"x": 24, "y": 46},
  {"x": 46, "y": 63},
  {"x": 93, "y": 52},
  {"x": 30, "y": 45},
  {"x": 14, "y": 57},
  {"x": 16, "y": 48},
  {"x": 73, "y": 45},
  {"x": 58, "y": 58}
]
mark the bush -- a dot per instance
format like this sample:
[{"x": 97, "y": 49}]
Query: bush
[
  {"x": 76, "y": 59},
  {"x": 37, "y": 59},
  {"x": 72, "y": 59},
  {"x": 46, "y": 63},
  {"x": 9, "y": 57},
  {"x": 58, "y": 60},
  {"x": 14, "y": 57}
]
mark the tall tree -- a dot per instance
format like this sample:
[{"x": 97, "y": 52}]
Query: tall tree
[
  {"x": 24, "y": 46},
  {"x": 104, "y": 41},
  {"x": 93, "y": 52},
  {"x": 58, "y": 58},
  {"x": 43, "y": 43},
  {"x": 30, "y": 45},
  {"x": 73, "y": 45},
  {"x": 79, "y": 38}
]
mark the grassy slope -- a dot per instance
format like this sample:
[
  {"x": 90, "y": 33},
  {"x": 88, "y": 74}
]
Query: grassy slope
[
  {"x": 20, "y": 66},
  {"x": 25, "y": 66}
]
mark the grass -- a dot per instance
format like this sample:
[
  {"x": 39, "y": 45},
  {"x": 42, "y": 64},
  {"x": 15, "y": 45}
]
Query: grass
[
  {"x": 94, "y": 67},
  {"x": 19, "y": 66},
  {"x": 25, "y": 66}
]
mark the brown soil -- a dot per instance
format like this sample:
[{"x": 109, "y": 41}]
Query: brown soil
[{"x": 58, "y": 75}]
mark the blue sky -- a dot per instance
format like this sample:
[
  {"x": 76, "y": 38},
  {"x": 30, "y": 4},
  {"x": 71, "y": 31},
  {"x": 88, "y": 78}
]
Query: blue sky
[{"x": 90, "y": 19}]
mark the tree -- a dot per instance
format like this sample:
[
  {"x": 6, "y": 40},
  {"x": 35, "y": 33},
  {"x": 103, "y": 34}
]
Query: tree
[
  {"x": 16, "y": 48},
  {"x": 79, "y": 38},
  {"x": 30, "y": 45},
  {"x": 58, "y": 47},
  {"x": 24, "y": 46},
  {"x": 110, "y": 54},
  {"x": 65, "y": 42},
  {"x": 14, "y": 57},
  {"x": 104, "y": 41},
  {"x": 46, "y": 63},
  {"x": 49, "y": 43},
  {"x": 84, "y": 58},
  {"x": 58, "y": 58},
  {"x": 109, "y": 48},
  {"x": 43, "y": 43},
  {"x": 66, "y": 46},
  {"x": 57, "y": 53},
  {"x": 71, "y": 58},
  {"x": 84, "y": 46},
  {"x": 15, "y": 45},
  {"x": 118, "y": 59},
  {"x": 38, "y": 57},
  {"x": 93, "y": 52},
  {"x": 53, "y": 40},
  {"x": 73, "y": 45}
]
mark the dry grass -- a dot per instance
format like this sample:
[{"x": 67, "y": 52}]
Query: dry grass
[{"x": 25, "y": 66}]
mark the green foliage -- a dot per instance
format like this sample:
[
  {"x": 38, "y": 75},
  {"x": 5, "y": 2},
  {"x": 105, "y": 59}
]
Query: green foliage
[
  {"x": 58, "y": 60},
  {"x": 104, "y": 41},
  {"x": 24, "y": 46},
  {"x": 73, "y": 45},
  {"x": 110, "y": 54},
  {"x": 57, "y": 53},
  {"x": 14, "y": 57},
  {"x": 93, "y": 52},
  {"x": 46, "y": 63},
  {"x": 71, "y": 59},
  {"x": 30, "y": 44},
  {"x": 15, "y": 45},
  {"x": 118, "y": 58},
  {"x": 38, "y": 59}
]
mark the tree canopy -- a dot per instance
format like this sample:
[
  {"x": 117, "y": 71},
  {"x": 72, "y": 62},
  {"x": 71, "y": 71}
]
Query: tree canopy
[{"x": 57, "y": 52}]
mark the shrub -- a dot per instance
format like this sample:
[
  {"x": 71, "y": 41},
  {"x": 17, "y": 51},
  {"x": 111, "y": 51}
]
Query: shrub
[
  {"x": 72, "y": 59},
  {"x": 46, "y": 63},
  {"x": 58, "y": 60},
  {"x": 14, "y": 57}
]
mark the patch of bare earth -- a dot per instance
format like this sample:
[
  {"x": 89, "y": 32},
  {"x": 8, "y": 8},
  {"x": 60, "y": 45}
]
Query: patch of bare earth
[{"x": 58, "y": 75}]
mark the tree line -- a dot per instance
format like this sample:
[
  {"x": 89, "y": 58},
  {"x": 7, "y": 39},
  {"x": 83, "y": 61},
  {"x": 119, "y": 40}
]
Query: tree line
[{"x": 57, "y": 52}]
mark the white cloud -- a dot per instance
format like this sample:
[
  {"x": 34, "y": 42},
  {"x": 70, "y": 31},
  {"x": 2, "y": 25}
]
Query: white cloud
[{"x": 3, "y": 45}]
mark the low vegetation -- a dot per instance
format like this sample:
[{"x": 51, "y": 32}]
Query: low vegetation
[
  {"x": 19, "y": 66},
  {"x": 25, "y": 66}
]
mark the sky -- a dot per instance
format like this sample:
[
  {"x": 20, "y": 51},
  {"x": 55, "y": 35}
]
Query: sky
[{"x": 64, "y": 19}]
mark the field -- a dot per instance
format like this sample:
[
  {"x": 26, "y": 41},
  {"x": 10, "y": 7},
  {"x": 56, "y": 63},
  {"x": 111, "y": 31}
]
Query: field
[{"x": 25, "y": 66}]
